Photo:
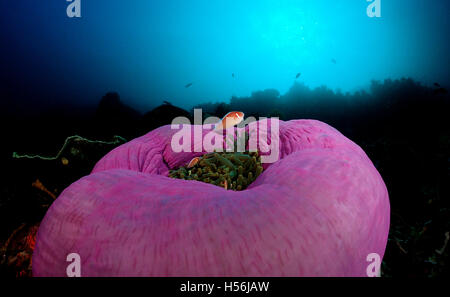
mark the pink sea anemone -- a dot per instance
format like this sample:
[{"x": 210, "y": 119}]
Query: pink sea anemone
[{"x": 320, "y": 210}]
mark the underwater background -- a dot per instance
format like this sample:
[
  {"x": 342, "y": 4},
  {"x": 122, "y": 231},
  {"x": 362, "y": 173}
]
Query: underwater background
[{"x": 125, "y": 68}]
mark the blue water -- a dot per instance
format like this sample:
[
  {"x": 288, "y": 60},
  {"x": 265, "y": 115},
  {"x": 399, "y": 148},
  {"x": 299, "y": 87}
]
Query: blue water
[{"x": 148, "y": 51}]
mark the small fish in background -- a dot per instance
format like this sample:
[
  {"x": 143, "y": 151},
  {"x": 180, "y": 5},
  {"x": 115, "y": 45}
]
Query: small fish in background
[
  {"x": 333, "y": 61},
  {"x": 188, "y": 85},
  {"x": 167, "y": 102},
  {"x": 298, "y": 75},
  {"x": 232, "y": 75},
  {"x": 439, "y": 89},
  {"x": 229, "y": 120}
]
